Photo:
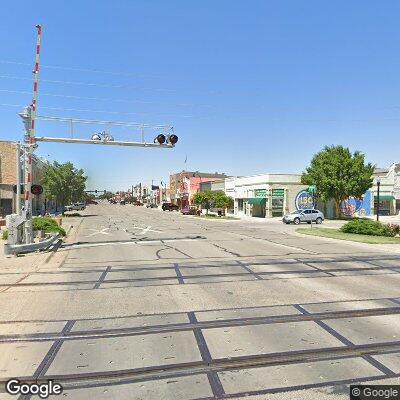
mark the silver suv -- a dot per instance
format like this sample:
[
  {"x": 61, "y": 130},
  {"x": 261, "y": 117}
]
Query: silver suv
[{"x": 304, "y": 216}]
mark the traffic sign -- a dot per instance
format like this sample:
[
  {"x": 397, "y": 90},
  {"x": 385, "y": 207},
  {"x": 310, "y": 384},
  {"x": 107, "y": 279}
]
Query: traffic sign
[
  {"x": 312, "y": 189},
  {"x": 37, "y": 189}
]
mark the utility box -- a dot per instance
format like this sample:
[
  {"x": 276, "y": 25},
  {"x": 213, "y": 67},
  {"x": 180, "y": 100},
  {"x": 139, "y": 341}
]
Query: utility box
[{"x": 14, "y": 224}]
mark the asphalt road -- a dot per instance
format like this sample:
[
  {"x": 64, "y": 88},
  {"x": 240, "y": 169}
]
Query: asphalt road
[{"x": 150, "y": 305}]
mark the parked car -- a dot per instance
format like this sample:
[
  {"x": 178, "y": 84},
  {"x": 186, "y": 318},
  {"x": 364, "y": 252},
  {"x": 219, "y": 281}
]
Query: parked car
[
  {"x": 91, "y": 201},
  {"x": 122, "y": 202},
  {"x": 190, "y": 211},
  {"x": 75, "y": 207},
  {"x": 151, "y": 205},
  {"x": 169, "y": 207},
  {"x": 304, "y": 216},
  {"x": 138, "y": 203}
]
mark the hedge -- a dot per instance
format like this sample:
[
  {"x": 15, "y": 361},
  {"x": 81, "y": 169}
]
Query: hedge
[
  {"x": 48, "y": 225},
  {"x": 369, "y": 227}
]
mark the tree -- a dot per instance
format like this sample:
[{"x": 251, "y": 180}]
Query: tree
[
  {"x": 64, "y": 183},
  {"x": 203, "y": 199},
  {"x": 339, "y": 174},
  {"x": 209, "y": 199},
  {"x": 221, "y": 200}
]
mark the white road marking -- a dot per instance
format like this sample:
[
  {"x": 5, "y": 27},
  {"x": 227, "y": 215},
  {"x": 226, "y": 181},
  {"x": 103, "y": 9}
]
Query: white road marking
[
  {"x": 97, "y": 232},
  {"x": 145, "y": 230}
]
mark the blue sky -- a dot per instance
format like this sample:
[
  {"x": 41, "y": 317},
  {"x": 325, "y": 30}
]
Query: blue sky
[{"x": 250, "y": 86}]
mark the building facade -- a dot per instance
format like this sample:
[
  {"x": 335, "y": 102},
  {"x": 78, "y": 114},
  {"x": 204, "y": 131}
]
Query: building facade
[
  {"x": 266, "y": 195},
  {"x": 185, "y": 184},
  {"x": 8, "y": 178},
  {"x": 389, "y": 196}
]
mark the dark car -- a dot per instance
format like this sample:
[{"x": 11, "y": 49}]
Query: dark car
[
  {"x": 170, "y": 207},
  {"x": 190, "y": 211},
  {"x": 151, "y": 205}
]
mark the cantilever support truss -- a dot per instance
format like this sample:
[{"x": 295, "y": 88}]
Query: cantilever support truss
[{"x": 103, "y": 142}]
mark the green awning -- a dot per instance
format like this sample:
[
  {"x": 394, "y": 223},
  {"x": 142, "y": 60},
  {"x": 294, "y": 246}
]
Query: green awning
[
  {"x": 257, "y": 201},
  {"x": 384, "y": 198}
]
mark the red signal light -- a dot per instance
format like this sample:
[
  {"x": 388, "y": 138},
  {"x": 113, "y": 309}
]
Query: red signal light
[{"x": 173, "y": 139}]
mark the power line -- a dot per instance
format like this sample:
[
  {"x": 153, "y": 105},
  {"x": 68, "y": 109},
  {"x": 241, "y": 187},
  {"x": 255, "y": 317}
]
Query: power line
[
  {"x": 89, "y": 98},
  {"x": 100, "y": 72},
  {"x": 91, "y": 84},
  {"x": 79, "y": 69},
  {"x": 99, "y": 111}
]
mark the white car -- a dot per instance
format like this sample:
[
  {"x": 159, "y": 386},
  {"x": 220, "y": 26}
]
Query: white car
[
  {"x": 304, "y": 216},
  {"x": 75, "y": 207}
]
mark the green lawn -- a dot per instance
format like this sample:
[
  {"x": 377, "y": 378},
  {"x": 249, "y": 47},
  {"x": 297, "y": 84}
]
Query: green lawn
[{"x": 337, "y": 234}]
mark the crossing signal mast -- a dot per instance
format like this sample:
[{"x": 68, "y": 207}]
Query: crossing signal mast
[{"x": 29, "y": 117}]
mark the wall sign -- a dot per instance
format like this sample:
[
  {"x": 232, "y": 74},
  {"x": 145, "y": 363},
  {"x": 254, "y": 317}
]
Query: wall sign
[
  {"x": 260, "y": 192},
  {"x": 304, "y": 200},
  {"x": 278, "y": 192}
]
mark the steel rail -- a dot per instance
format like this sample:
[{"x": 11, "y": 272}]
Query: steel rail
[
  {"x": 188, "y": 326},
  {"x": 131, "y": 375}
]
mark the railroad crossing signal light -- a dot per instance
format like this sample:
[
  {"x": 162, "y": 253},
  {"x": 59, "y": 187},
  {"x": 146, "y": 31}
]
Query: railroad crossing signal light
[
  {"x": 159, "y": 139},
  {"x": 173, "y": 139},
  {"x": 95, "y": 191},
  {"x": 37, "y": 189}
]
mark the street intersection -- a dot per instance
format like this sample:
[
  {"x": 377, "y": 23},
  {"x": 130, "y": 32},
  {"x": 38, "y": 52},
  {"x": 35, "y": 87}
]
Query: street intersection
[{"x": 144, "y": 304}]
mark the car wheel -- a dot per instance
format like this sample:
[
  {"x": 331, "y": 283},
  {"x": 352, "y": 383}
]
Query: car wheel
[
  {"x": 296, "y": 221},
  {"x": 318, "y": 220}
]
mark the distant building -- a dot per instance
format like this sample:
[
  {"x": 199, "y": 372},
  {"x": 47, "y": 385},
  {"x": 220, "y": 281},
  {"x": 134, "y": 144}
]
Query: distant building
[
  {"x": 8, "y": 178},
  {"x": 185, "y": 184}
]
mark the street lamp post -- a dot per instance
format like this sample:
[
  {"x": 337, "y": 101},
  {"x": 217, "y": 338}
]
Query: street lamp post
[{"x": 378, "y": 182}]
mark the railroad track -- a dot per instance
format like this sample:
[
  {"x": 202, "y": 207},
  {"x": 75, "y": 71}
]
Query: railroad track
[{"x": 178, "y": 327}]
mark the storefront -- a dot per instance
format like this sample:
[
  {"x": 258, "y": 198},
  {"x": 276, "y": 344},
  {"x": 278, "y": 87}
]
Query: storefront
[
  {"x": 258, "y": 203},
  {"x": 264, "y": 196}
]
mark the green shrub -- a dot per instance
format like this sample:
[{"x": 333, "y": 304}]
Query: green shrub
[
  {"x": 367, "y": 227},
  {"x": 48, "y": 225},
  {"x": 395, "y": 229},
  {"x": 4, "y": 235}
]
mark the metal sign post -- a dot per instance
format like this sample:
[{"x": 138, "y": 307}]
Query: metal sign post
[{"x": 312, "y": 189}]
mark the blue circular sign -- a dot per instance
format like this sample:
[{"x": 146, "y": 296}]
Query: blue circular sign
[{"x": 304, "y": 201}]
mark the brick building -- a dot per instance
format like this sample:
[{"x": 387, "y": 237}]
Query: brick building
[
  {"x": 184, "y": 184},
  {"x": 8, "y": 178}
]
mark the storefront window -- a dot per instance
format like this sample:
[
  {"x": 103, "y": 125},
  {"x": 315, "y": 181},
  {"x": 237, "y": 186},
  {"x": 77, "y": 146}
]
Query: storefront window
[{"x": 240, "y": 204}]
